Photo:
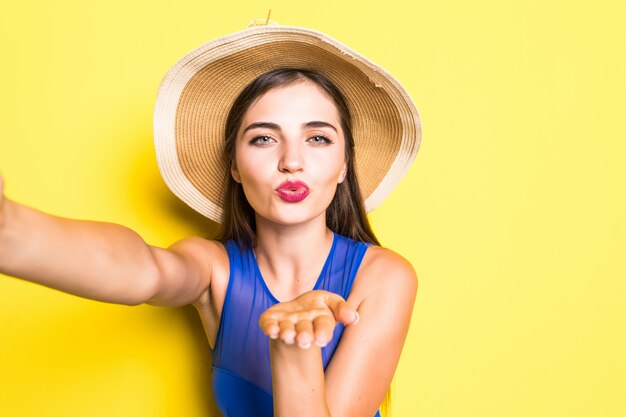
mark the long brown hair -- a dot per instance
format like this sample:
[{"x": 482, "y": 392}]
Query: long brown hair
[{"x": 346, "y": 213}]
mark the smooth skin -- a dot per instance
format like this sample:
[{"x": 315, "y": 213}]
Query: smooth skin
[{"x": 286, "y": 142}]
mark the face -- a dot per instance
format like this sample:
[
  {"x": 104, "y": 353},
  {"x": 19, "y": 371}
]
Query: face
[{"x": 290, "y": 154}]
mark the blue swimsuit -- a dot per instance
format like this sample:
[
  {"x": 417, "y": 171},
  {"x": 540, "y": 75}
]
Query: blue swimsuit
[{"x": 242, "y": 376}]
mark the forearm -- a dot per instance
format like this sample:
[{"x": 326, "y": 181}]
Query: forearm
[
  {"x": 297, "y": 380},
  {"x": 101, "y": 261}
]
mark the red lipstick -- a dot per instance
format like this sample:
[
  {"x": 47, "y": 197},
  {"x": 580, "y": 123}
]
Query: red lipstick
[{"x": 293, "y": 191}]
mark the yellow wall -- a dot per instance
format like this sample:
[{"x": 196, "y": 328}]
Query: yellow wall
[{"x": 513, "y": 214}]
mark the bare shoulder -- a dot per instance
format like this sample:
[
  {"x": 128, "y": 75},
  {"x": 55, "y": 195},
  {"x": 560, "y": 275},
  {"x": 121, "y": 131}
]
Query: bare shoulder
[
  {"x": 210, "y": 254},
  {"x": 200, "y": 249},
  {"x": 189, "y": 267},
  {"x": 197, "y": 243},
  {"x": 385, "y": 273}
]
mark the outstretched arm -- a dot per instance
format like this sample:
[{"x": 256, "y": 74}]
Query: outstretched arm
[
  {"x": 101, "y": 261},
  {"x": 360, "y": 372}
]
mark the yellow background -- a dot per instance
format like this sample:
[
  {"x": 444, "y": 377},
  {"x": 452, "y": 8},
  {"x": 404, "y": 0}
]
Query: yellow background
[{"x": 513, "y": 214}]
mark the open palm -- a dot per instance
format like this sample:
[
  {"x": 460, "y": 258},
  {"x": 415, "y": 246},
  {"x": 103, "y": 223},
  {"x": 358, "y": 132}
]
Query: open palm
[{"x": 309, "y": 318}]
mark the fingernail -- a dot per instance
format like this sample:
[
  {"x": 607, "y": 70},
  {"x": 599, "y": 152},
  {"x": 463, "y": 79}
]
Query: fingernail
[
  {"x": 357, "y": 317},
  {"x": 320, "y": 344},
  {"x": 306, "y": 345}
]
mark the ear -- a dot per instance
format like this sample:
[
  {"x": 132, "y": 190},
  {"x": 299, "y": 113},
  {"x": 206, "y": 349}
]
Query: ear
[
  {"x": 342, "y": 174},
  {"x": 235, "y": 172}
]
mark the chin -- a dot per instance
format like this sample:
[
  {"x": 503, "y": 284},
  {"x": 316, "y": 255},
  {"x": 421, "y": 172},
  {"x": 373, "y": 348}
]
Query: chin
[
  {"x": 291, "y": 220},
  {"x": 293, "y": 216}
]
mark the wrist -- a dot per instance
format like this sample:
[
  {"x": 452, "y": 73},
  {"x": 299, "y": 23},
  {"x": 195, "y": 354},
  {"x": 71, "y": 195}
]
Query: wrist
[
  {"x": 297, "y": 380},
  {"x": 294, "y": 359}
]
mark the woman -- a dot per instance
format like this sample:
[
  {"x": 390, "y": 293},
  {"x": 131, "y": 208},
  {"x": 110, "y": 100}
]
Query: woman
[{"x": 297, "y": 260}]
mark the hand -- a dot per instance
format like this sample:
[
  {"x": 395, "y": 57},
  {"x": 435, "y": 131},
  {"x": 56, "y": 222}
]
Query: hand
[{"x": 308, "y": 318}]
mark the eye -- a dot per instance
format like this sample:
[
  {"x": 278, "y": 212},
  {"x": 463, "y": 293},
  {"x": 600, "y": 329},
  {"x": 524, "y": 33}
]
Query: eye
[
  {"x": 319, "y": 140},
  {"x": 261, "y": 140}
]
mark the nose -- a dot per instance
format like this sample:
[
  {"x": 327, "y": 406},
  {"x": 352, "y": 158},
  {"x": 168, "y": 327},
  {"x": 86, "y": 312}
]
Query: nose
[{"x": 291, "y": 159}]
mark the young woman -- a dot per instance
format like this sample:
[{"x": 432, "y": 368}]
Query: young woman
[{"x": 305, "y": 313}]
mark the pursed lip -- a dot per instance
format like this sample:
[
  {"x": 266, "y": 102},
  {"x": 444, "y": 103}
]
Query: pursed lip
[
  {"x": 292, "y": 186},
  {"x": 292, "y": 191}
]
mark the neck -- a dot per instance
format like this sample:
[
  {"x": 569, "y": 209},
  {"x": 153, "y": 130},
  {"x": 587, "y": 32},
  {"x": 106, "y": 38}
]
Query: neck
[{"x": 291, "y": 257}]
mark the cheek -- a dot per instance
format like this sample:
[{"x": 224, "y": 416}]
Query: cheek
[
  {"x": 330, "y": 167},
  {"x": 254, "y": 177},
  {"x": 243, "y": 164}
]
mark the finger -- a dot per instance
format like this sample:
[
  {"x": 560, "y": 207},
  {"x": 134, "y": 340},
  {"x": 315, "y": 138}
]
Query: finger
[
  {"x": 269, "y": 325},
  {"x": 304, "y": 333},
  {"x": 342, "y": 310},
  {"x": 347, "y": 314},
  {"x": 287, "y": 331},
  {"x": 323, "y": 327},
  {"x": 333, "y": 300}
]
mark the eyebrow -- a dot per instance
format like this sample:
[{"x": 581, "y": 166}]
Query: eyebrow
[{"x": 274, "y": 126}]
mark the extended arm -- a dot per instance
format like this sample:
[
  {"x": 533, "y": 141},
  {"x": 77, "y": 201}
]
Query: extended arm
[{"x": 96, "y": 260}]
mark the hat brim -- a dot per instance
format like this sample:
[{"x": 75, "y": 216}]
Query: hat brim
[{"x": 196, "y": 94}]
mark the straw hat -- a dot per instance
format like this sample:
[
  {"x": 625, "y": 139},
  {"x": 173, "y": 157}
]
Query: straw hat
[{"x": 196, "y": 94}]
